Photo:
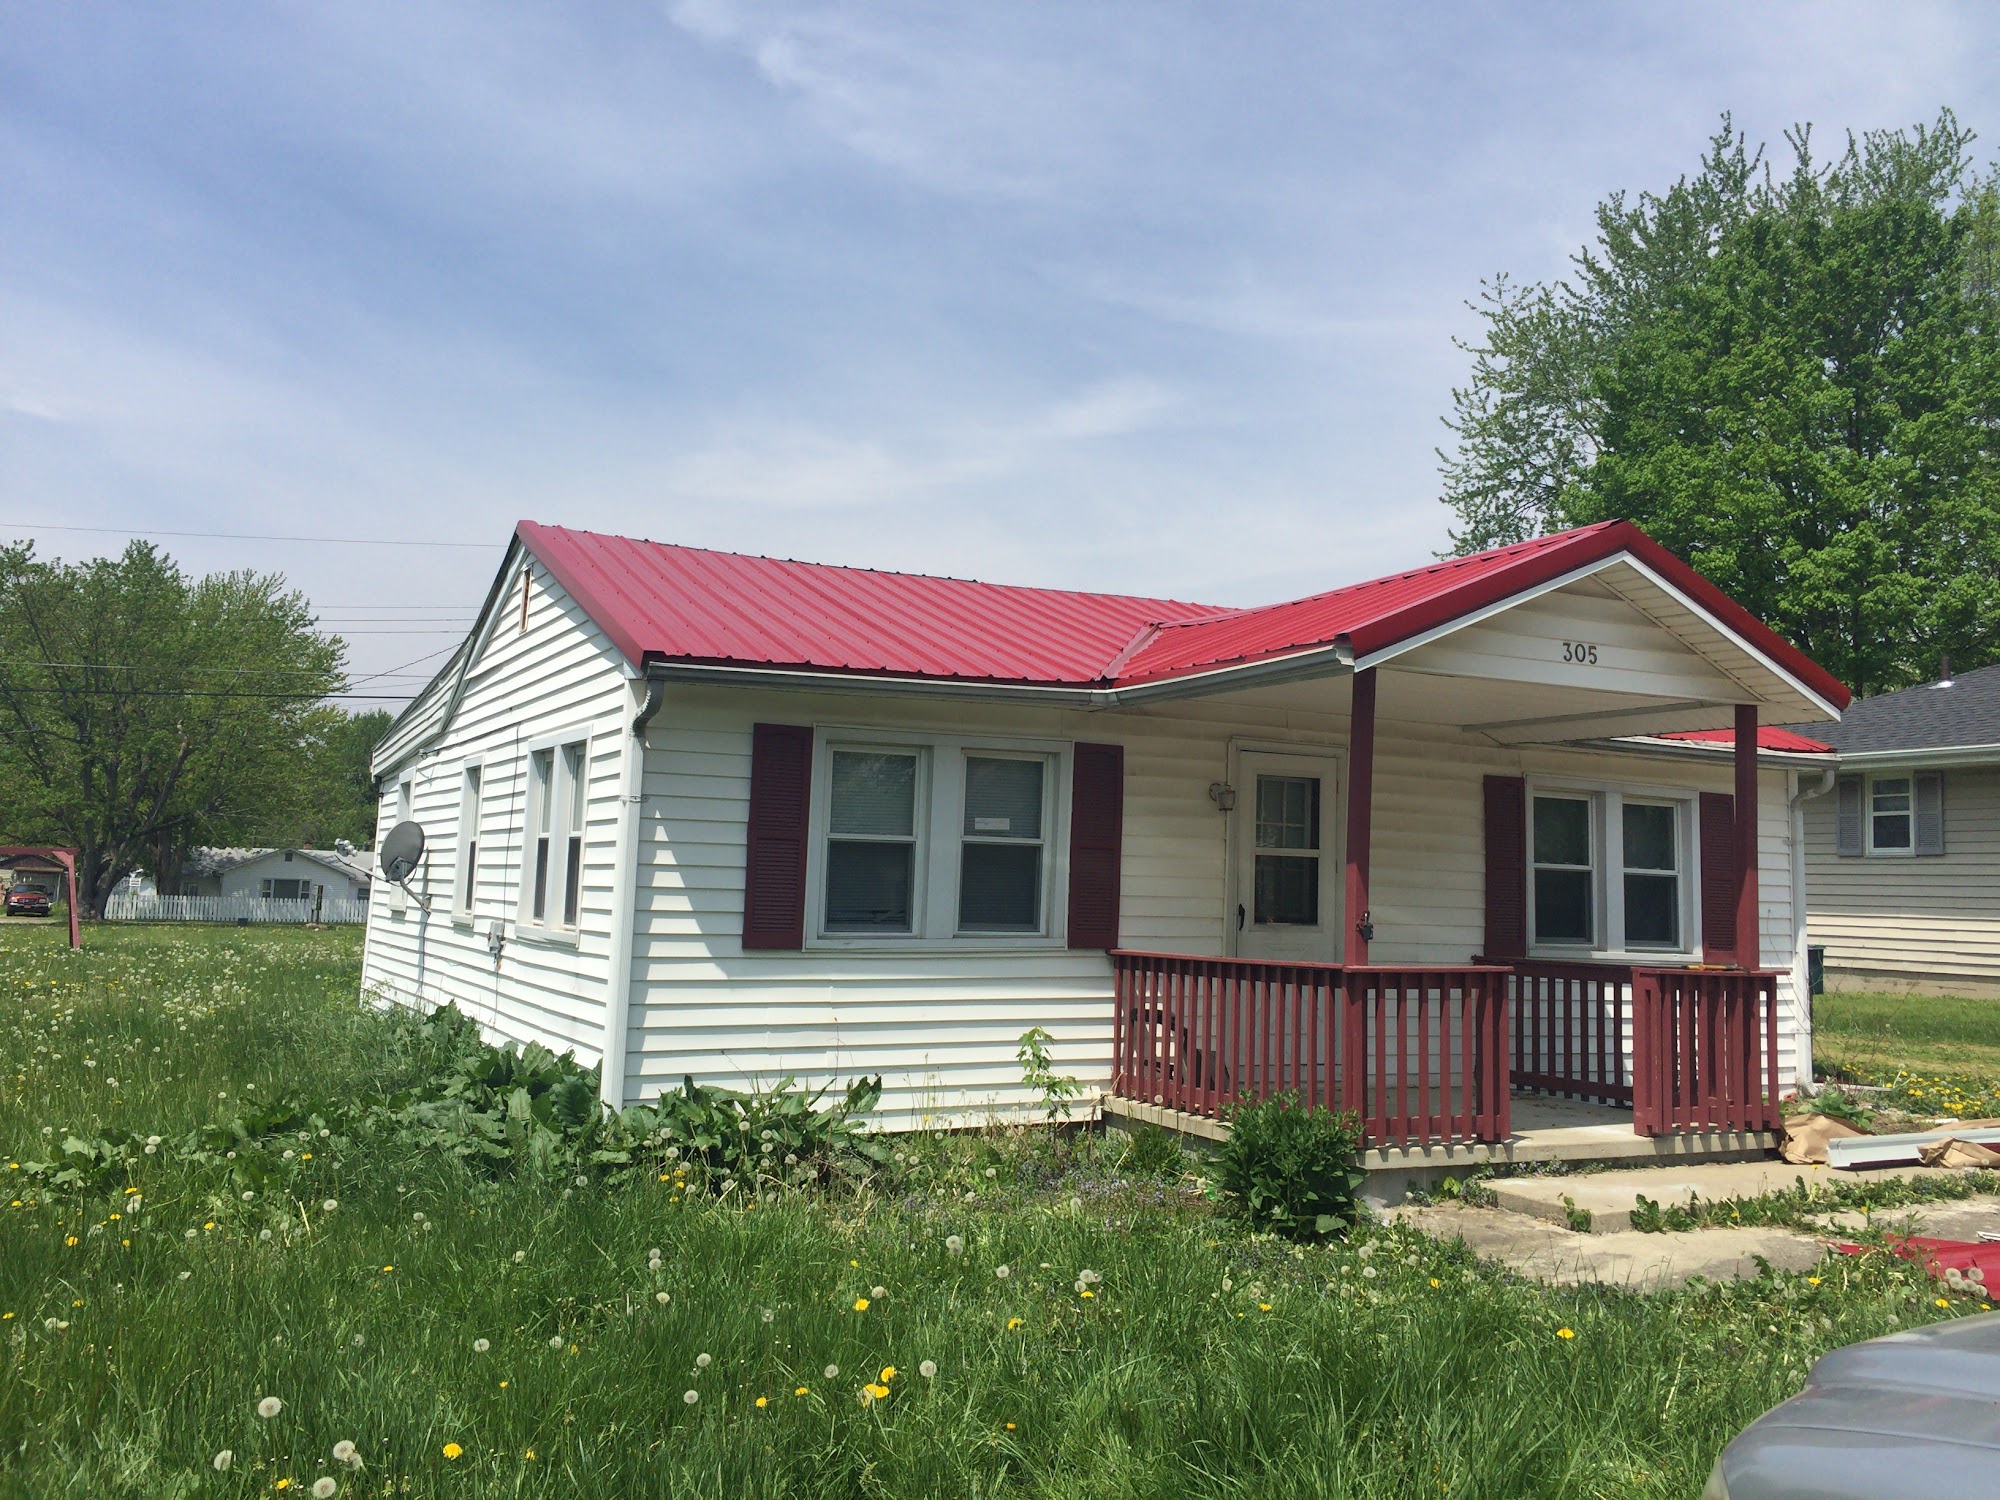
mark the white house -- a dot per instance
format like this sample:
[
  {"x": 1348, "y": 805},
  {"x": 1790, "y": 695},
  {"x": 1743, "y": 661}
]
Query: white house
[
  {"x": 270, "y": 874},
  {"x": 1409, "y": 846}
]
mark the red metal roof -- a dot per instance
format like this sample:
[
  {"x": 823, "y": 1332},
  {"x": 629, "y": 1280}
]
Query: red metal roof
[
  {"x": 1769, "y": 737},
  {"x": 682, "y": 604}
]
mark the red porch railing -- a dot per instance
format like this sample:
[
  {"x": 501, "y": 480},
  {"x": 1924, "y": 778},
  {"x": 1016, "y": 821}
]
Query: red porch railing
[
  {"x": 1704, "y": 1050},
  {"x": 1419, "y": 1054},
  {"x": 1572, "y": 1029}
]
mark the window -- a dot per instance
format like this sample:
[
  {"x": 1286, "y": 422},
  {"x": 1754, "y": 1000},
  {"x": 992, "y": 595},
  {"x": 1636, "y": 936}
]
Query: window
[
  {"x": 946, "y": 840},
  {"x": 1890, "y": 815},
  {"x": 541, "y": 809},
  {"x": 468, "y": 839},
  {"x": 1000, "y": 857},
  {"x": 871, "y": 849},
  {"x": 1287, "y": 864},
  {"x": 573, "y": 777},
  {"x": 1563, "y": 874},
  {"x": 1652, "y": 875},
  {"x": 287, "y": 890}
]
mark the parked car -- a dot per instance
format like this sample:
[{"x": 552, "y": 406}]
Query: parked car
[
  {"x": 26, "y": 901},
  {"x": 1913, "y": 1416}
]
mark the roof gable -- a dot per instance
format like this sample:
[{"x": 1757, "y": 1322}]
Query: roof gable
[{"x": 1931, "y": 717}]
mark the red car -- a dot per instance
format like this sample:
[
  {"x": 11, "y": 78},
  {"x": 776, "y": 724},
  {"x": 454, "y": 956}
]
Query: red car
[{"x": 26, "y": 901}]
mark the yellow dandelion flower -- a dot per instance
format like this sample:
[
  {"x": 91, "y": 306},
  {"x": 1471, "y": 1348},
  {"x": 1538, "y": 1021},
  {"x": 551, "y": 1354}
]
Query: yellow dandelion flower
[
  {"x": 762, "y": 1402},
  {"x": 1435, "y": 1283},
  {"x": 861, "y": 1304},
  {"x": 387, "y": 1269},
  {"x": 1565, "y": 1333},
  {"x": 451, "y": 1450},
  {"x": 282, "y": 1484},
  {"x": 1087, "y": 1293},
  {"x": 799, "y": 1392},
  {"x": 1013, "y": 1323},
  {"x": 1263, "y": 1307},
  {"x": 529, "y": 1455},
  {"x": 888, "y": 1373},
  {"x": 855, "y": 1263},
  {"x": 1812, "y": 1281},
  {"x": 70, "y": 1241},
  {"x": 1943, "y": 1302},
  {"x": 1010, "y": 1426}
]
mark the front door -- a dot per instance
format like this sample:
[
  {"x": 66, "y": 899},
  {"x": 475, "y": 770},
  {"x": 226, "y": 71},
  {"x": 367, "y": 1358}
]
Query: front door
[{"x": 1285, "y": 877}]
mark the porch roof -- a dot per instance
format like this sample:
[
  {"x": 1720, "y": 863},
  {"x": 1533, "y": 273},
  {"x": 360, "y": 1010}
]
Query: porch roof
[{"x": 669, "y": 604}]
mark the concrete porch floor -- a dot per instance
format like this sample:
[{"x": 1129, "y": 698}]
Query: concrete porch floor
[{"x": 1544, "y": 1130}]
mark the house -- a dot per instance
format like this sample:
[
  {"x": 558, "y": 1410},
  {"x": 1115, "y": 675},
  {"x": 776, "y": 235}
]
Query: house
[
  {"x": 271, "y": 874},
  {"x": 1408, "y": 846},
  {"x": 35, "y": 869},
  {"x": 1903, "y": 859}
]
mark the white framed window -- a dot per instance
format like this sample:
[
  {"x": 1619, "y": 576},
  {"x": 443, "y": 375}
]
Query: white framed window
[
  {"x": 552, "y": 850},
  {"x": 286, "y": 890},
  {"x": 1892, "y": 815},
  {"x": 1610, "y": 869},
  {"x": 938, "y": 839},
  {"x": 468, "y": 841}
]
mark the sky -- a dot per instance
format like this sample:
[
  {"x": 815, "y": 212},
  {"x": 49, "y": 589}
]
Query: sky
[{"x": 1157, "y": 298}]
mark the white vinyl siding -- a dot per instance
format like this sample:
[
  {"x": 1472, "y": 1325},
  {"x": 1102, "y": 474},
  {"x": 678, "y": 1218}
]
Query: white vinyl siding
[
  {"x": 941, "y": 1022},
  {"x": 557, "y": 683}
]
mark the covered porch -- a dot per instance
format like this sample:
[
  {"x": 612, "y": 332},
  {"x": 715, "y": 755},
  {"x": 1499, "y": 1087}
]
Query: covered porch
[{"x": 1631, "y": 977}]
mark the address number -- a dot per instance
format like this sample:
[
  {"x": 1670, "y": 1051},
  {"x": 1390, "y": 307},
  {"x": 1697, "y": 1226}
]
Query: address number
[{"x": 1580, "y": 651}]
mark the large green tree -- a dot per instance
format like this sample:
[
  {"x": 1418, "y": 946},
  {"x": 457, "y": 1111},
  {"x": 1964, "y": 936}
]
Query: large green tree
[
  {"x": 1791, "y": 378},
  {"x": 143, "y": 712}
]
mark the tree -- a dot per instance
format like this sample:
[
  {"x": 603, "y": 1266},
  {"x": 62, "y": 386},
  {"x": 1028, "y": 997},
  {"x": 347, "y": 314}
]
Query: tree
[
  {"x": 1792, "y": 381},
  {"x": 142, "y": 713},
  {"x": 339, "y": 791}
]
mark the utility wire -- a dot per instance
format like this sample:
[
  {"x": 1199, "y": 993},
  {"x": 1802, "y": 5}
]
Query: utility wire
[{"x": 240, "y": 536}]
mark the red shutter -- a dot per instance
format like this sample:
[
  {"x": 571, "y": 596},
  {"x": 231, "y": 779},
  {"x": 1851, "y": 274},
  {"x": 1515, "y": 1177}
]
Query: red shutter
[
  {"x": 1096, "y": 838},
  {"x": 1506, "y": 867},
  {"x": 1718, "y": 878},
  {"x": 774, "y": 877}
]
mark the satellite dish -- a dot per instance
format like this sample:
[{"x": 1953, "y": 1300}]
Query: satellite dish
[{"x": 402, "y": 851}]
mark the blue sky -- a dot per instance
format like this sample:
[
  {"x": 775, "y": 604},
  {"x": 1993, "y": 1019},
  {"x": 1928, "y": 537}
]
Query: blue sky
[{"x": 1155, "y": 297}]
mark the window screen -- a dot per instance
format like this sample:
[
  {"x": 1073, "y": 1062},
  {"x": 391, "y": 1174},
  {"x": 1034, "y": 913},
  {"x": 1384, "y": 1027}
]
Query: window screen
[
  {"x": 1652, "y": 875},
  {"x": 871, "y": 849},
  {"x": 1000, "y": 862},
  {"x": 1889, "y": 813},
  {"x": 1563, "y": 871},
  {"x": 1286, "y": 877}
]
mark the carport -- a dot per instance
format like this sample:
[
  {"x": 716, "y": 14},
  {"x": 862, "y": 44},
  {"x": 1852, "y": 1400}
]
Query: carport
[{"x": 43, "y": 859}]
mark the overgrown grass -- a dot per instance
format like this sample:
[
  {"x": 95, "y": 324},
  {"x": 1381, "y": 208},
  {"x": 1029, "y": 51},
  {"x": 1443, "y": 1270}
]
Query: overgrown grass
[
  {"x": 1876, "y": 1036},
  {"x": 139, "y": 1337}
]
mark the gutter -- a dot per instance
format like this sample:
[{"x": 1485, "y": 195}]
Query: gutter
[
  {"x": 1943, "y": 755},
  {"x": 625, "y": 902}
]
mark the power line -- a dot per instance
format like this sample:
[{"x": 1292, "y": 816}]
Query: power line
[{"x": 240, "y": 536}]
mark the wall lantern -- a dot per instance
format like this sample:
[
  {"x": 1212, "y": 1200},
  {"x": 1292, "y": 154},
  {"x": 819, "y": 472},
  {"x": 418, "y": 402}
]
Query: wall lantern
[{"x": 1222, "y": 794}]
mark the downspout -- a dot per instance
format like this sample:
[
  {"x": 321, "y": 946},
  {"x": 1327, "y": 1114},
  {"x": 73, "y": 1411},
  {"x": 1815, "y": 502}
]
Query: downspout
[
  {"x": 625, "y": 900},
  {"x": 1800, "y": 795}
]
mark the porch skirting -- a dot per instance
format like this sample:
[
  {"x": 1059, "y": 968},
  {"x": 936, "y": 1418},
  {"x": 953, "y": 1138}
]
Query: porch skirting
[{"x": 1432, "y": 1055}]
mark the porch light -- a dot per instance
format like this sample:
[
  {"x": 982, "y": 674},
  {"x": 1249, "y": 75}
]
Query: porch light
[{"x": 1222, "y": 794}]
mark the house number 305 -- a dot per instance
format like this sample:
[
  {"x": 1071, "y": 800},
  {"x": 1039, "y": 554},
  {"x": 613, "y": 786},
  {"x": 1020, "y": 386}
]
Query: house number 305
[{"x": 1580, "y": 651}]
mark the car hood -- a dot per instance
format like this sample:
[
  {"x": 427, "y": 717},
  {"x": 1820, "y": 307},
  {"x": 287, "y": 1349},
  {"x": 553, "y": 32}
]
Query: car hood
[{"x": 1909, "y": 1417}]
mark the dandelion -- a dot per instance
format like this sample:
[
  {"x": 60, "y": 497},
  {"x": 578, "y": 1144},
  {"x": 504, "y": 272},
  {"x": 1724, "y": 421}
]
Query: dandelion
[
  {"x": 416, "y": 1218},
  {"x": 832, "y": 1372},
  {"x": 555, "y": 1341},
  {"x": 662, "y": 1298},
  {"x": 1943, "y": 1302},
  {"x": 1002, "y": 1272},
  {"x": 519, "y": 1256},
  {"x": 223, "y": 1460},
  {"x": 248, "y": 1195},
  {"x": 762, "y": 1402},
  {"x": 953, "y": 1245},
  {"x": 1012, "y": 1324},
  {"x": 451, "y": 1450},
  {"x": 991, "y": 1173},
  {"x": 769, "y": 1316},
  {"x": 1435, "y": 1283},
  {"x": 269, "y": 1407},
  {"x": 927, "y": 1369},
  {"x": 325, "y": 1487},
  {"x": 876, "y": 1291},
  {"x": 1565, "y": 1333},
  {"x": 387, "y": 1269},
  {"x": 480, "y": 1346},
  {"x": 702, "y": 1361},
  {"x": 344, "y": 1452},
  {"x": 690, "y": 1397},
  {"x": 1261, "y": 1306},
  {"x": 888, "y": 1374},
  {"x": 800, "y": 1391},
  {"x": 861, "y": 1304}
]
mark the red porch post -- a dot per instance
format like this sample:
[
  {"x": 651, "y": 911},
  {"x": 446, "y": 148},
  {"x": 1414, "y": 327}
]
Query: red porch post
[
  {"x": 1748, "y": 952},
  {"x": 1360, "y": 799}
]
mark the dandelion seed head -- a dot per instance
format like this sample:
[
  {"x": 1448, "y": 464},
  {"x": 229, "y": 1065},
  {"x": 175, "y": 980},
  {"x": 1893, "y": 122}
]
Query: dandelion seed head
[
  {"x": 953, "y": 1245},
  {"x": 690, "y": 1397},
  {"x": 927, "y": 1369},
  {"x": 662, "y": 1298},
  {"x": 1002, "y": 1272},
  {"x": 269, "y": 1407},
  {"x": 480, "y": 1346},
  {"x": 345, "y": 1452},
  {"x": 325, "y": 1487},
  {"x": 555, "y": 1341},
  {"x": 831, "y": 1372},
  {"x": 223, "y": 1460},
  {"x": 702, "y": 1361}
]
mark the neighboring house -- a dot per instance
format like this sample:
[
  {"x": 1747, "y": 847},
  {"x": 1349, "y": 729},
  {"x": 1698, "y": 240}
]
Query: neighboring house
[
  {"x": 36, "y": 870},
  {"x": 1903, "y": 859},
  {"x": 270, "y": 874},
  {"x": 1405, "y": 845}
]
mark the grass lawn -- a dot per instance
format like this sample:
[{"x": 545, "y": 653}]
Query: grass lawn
[
  {"x": 1873, "y": 1037},
  {"x": 497, "y": 1329}
]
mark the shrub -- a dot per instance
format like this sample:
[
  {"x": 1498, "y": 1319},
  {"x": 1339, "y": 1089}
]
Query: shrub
[
  {"x": 1153, "y": 1152},
  {"x": 1291, "y": 1169}
]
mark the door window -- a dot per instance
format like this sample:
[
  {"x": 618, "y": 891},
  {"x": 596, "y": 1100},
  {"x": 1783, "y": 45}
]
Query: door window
[{"x": 1286, "y": 877}]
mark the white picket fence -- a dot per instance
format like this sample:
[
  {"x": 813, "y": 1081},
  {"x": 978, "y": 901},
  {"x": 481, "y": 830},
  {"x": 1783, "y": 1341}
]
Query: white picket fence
[{"x": 131, "y": 906}]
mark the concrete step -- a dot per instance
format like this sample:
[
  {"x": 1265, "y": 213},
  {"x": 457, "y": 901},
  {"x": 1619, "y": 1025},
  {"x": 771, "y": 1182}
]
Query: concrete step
[{"x": 1603, "y": 1202}]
